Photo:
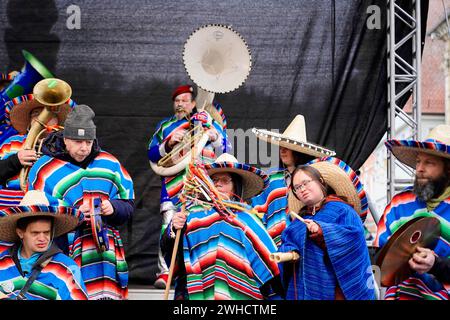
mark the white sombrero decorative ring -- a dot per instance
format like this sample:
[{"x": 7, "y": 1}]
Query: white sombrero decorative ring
[
  {"x": 294, "y": 138},
  {"x": 254, "y": 180},
  {"x": 344, "y": 181},
  {"x": 217, "y": 58},
  {"x": 35, "y": 204},
  {"x": 437, "y": 143}
]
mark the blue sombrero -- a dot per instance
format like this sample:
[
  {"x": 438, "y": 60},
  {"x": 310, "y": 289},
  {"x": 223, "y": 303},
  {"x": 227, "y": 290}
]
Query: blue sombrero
[
  {"x": 437, "y": 143},
  {"x": 254, "y": 180},
  {"x": 35, "y": 204}
]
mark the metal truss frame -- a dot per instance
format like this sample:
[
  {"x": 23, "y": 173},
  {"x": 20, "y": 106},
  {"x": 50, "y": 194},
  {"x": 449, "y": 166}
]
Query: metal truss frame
[{"x": 404, "y": 78}]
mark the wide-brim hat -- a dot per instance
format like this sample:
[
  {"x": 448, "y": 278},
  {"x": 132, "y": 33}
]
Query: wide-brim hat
[
  {"x": 344, "y": 181},
  {"x": 19, "y": 110},
  {"x": 437, "y": 143},
  {"x": 294, "y": 138},
  {"x": 35, "y": 204},
  {"x": 254, "y": 180}
]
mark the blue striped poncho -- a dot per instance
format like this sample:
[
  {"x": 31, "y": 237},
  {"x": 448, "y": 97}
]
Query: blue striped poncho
[
  {"x": 403, "y": 207},
  {"x": 345, "y": 263},
  {"x": 273, "y": 202},
  {"x": 58, "y": 280},
  {"x": 226, "y": 258},
  {"x": 105, "y": 274}
]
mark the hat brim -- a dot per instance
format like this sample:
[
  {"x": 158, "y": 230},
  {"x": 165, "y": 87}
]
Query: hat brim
[
  {"x": 292, "y": 144},
  {"x": 65, "y": 219},
  {"x": 344, "y": 181},
  {"x": 254, "y": 180},
  {"x": 406, "y": 150},
  {"x": 21, "y": 118}
]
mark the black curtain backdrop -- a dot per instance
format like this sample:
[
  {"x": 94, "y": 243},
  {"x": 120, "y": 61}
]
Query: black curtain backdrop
[{"x": 315, "y": 58}]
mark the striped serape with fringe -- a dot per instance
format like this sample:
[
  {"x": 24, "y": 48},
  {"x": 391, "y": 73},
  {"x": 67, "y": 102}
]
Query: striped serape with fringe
[
  {"x": 226, "y": 258},
  {"x": 57, "y": 281},
  {"x": 402, "y": 208},
  {"x": 105, "y": 274},
  {"x": 345, "y": 263},
  {"x": 273, "y": 202}
]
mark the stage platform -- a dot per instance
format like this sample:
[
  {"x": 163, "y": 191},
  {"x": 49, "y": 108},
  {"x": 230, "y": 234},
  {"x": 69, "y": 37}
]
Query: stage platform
[{"x": 141, "y": 292}]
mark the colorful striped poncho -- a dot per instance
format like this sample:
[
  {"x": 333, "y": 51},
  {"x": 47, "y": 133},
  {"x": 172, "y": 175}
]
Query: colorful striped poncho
[
  {"x": 273, "y": 202},
  {"x": 165, "y": 129},
  {"x": 105, "y": 274},
  {"x": 58, "y": 280},
  {"x": 226, "y": 258},
  {"x": 10, "y": 198},
  {"x": 5, "y": 245},
  {"x": 402, "y": 208},
  {"x": 345, "y": 263},
  {"x": 11, "y": 146}
]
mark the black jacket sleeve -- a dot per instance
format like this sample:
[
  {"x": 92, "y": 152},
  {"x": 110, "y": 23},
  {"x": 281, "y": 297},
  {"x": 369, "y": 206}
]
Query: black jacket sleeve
[
  {"x": 441, "y": 269},
  {"x": 9, "y": 167},
  {"x": 122, "y": 212}
]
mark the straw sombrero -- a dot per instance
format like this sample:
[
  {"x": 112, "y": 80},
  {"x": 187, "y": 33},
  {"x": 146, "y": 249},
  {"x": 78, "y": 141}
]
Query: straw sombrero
[
  {"x": 18, "y": 111},
  {"x": 437, "y": 143},
  {"x": 254, "y": 180},
  {"x": 33, "y": 204},
  {"x": 294, "y": 138},
  {"x": 345, "y": 182}
]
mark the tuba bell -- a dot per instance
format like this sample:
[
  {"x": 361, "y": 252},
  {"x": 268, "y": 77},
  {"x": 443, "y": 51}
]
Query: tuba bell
[
  {"x": 217, "y": 60},
  {"x": 51, "y": 93}
]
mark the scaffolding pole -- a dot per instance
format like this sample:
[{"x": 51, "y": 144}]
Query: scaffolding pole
[{"x": 404, "y": 78}]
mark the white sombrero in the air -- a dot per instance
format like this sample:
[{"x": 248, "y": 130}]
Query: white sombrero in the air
[{"x": 294, "y": 138}]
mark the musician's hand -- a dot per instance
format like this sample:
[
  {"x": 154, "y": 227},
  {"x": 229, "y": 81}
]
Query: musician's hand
[
  {"x": 176, "y": 137},
  {"x": 27, "y": 157},
  {"x": 86, "y": 210},
  {"x": 312, "y": 226},
  {"x": 107, "y": 208},
  {"x": 212, "y": 134},
  {"x": 178, "y": 220},
  {"x": 203, "y": 117},
  {"x": 422, "y": 260}
]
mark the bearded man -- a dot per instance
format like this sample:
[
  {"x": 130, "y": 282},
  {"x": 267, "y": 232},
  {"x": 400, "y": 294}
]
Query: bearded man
[{"x": 429, "y": 197}]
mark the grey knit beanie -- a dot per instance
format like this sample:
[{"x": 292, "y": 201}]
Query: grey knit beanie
[{"x": 79, "y": 124}]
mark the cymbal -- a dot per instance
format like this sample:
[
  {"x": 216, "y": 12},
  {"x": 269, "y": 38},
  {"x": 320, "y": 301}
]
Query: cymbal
[{"x": 393, "y": 257}]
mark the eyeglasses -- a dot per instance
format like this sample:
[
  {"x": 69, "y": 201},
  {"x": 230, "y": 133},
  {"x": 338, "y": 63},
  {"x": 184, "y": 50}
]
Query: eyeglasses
[
  {"x": 304, "y": 184},
  {"x": 222, "y": 180}
]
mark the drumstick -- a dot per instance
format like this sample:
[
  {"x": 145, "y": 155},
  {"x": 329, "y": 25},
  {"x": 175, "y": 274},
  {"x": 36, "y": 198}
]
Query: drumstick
[{"x": 298, "y": 217}]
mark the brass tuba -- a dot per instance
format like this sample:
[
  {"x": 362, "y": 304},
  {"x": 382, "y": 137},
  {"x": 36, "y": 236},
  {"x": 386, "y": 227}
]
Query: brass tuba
[
  {"x": 51, "y": 93},
  {"x": 217, "y": 60}
]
